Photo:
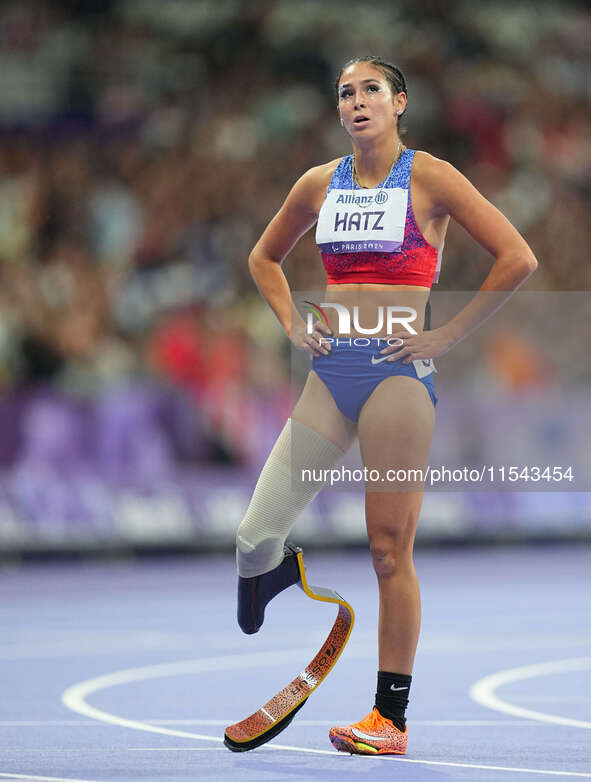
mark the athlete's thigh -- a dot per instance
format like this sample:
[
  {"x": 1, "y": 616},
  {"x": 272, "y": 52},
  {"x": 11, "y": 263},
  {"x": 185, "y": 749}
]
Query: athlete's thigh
[
  {"x": 317, "y": 409},
  {"x": 395, "y": 430}
]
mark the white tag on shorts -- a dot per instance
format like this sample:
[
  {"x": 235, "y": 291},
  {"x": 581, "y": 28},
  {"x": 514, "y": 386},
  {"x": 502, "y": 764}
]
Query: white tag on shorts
[{"x": 424, "y": 366}]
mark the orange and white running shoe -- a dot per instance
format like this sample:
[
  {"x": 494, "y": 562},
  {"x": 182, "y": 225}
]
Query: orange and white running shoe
[{"x": 373, "y": 735}]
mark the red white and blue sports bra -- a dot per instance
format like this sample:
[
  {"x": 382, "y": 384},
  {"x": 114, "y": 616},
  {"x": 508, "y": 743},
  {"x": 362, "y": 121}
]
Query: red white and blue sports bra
[{"x": 371, "y": 235}]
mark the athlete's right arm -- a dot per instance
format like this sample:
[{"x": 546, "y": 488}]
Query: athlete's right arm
[{"x": 297, "y": 215}]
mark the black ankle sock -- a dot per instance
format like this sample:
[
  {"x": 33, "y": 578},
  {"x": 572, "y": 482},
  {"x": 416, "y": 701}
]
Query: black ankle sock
[{"x": 392, "y": 696}]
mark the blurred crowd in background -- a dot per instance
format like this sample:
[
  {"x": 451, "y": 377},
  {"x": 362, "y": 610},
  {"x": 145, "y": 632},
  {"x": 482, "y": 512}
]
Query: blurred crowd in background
[{"x": 145, "y": 145}]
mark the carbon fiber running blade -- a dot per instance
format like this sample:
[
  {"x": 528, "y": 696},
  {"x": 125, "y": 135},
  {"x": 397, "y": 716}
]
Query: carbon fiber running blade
[
  {"x": 262, "y": 738},
  {"x": 278, "y": 712}
]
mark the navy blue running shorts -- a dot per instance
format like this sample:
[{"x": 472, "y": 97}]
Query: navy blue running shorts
[{"x": 355, "y": 366}]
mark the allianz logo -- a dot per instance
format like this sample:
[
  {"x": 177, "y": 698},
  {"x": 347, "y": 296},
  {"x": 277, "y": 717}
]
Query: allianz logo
[{"x": 362, "y": 200}]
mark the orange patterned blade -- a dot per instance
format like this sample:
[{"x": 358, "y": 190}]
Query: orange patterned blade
[{"x": 278, "y": 712}]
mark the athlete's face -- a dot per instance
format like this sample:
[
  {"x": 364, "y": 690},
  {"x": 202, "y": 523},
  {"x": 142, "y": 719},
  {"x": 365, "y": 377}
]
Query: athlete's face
[{"x": 366, "y": 104}]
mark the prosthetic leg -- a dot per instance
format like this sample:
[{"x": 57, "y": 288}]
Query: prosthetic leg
[{"x": 253, "y": 596}]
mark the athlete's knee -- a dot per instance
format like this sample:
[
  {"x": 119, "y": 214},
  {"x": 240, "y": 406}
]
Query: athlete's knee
[{"x": 391, "y": 551}]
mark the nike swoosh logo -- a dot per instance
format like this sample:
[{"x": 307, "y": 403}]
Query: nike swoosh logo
[
  {"x": 375, "y": 360},
  {"x": 361, "y": 735},
  {"x": 396, "y": 689}
]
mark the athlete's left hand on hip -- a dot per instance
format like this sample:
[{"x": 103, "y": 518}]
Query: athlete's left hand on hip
[{"x": 427, "y": 344}]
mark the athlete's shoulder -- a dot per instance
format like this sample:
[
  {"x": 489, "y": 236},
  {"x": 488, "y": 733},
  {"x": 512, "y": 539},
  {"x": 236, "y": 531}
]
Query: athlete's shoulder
[
  {"x": 310, "y": 189},
  {"x": 428, "y": 167},
  {"x": 441, "y": 180},
  {"x": 321, "y": 175}
]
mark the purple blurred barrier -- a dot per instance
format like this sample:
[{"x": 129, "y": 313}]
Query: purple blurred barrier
[
  {"x": 131, "y": 444},
  {"x": 11, "y": 413},
  {"x": 55, "y": 432}
]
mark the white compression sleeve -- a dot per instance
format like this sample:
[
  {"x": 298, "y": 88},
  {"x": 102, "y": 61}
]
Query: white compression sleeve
[{"x": 281, "y": 495}]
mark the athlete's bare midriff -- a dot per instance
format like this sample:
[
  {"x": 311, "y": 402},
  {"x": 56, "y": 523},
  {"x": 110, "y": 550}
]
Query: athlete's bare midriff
[{"x": 368, "y": 298}]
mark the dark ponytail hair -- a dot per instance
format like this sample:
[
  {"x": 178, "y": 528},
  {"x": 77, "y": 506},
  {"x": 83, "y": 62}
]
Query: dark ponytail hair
[{"x": 394, "y": 76}]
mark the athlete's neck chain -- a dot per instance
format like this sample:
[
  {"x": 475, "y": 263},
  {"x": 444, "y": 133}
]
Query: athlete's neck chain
[{"x": 396, "y": 158}]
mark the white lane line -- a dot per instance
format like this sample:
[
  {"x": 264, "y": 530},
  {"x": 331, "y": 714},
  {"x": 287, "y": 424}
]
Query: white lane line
[
  {"x": 64, "y": 750},
  {"x": 74, "y": 698},
  {"x": 300, "y": 723},
  {"x": 341, "y": 721},
  {"x": 43, "y": 779},
  {"x": 393, "y": 759},
  {"x": 483, "y": 691},
  {"x": 169, "y": 749}
]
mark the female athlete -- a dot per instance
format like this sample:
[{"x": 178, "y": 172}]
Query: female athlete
[{"x": 382, "y": 215}]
